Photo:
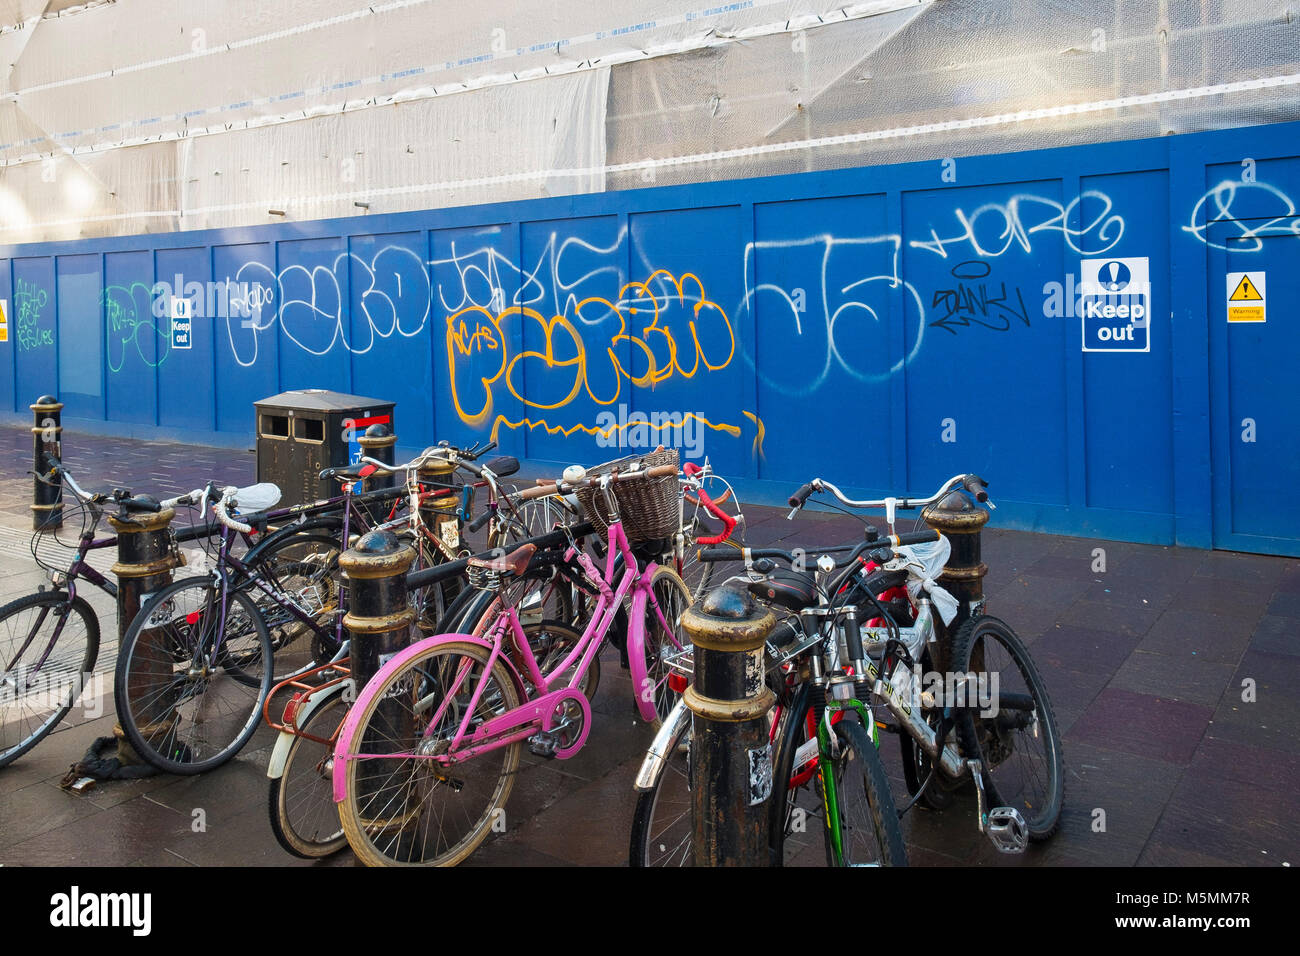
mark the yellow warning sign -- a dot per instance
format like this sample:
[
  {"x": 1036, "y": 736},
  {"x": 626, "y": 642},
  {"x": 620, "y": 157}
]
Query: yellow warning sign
[
  {"x": 4, "y": 320},
  {"x": 1246, "y": 297},
  {"x": 1245, "y": 292}
]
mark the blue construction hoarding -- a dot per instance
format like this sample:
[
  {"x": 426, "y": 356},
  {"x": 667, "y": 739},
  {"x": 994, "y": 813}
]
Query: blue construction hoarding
[{"x": 1059, "y": 321}]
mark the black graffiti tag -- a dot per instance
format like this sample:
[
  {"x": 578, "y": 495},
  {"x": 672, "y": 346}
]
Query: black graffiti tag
[{"x": 974, "y": 301}]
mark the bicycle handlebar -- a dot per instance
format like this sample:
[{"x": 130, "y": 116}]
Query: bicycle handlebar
[
  {"x": 972, "y": 483},
  {"x": 227, "y": 495},
  {"x": 884, "y": 541},
  {"x": 799, "y": 497},
  {"x": 560, "y": 486},
  {"x": 690, "y": 469}
]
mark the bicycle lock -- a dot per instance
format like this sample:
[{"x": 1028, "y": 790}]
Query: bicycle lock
[
  {"x": 47, "y": 439},
  {"x": 731, "y": 754},
  {"x": 145, "y": 559}
]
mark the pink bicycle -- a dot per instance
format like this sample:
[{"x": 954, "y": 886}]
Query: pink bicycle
[{"x": 426, "y": 757}]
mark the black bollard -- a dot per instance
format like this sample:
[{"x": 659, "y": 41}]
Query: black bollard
[
  {"x": 379, "y": 625},
  {"x": 145, "y": 559},
  {"x": 438, "y": 511},
  {"x": 960, "y": 522},
  {"x": 47, "y": 440},
  {"x": 379, "y": 443},
  {"x": 730, "y": 750}
]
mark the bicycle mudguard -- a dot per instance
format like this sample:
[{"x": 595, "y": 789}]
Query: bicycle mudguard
[
  {"x": 280, "y": 752},
  {"x": 393, "y": 666},
  {"x": 636, "y": 625},
  {"x": 656, "y": 758},
  {"x": 329, "y": 523}
]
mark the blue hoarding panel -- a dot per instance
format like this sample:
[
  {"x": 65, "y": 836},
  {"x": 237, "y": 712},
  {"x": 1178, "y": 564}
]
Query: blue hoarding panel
[
  {"x": 32, "y": 329},
  {"x": 136, "y": 336},
  {"x": 687, "y": 281},
  {"x": 247, "y": 342},
  {"x": 477, "y": 327},
  {"x": 81, "y": 336},
  {"x": 186, "y": 393},
  {"x": 822, "y": 277},
  {"x": 986, "y": 370},
  {"x": 389, "y": 337}
]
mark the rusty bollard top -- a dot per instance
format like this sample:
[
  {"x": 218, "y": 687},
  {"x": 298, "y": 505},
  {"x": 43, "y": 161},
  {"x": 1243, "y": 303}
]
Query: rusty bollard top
[
  {"x": 955, "y": 514},
  {"x": 378, "y": 564},
  {"x": 377, "y": 554},
  {"x": 729, "y": 630},
  {"x": 728, "y": 620},
  {"x": 377, "y": 436}
]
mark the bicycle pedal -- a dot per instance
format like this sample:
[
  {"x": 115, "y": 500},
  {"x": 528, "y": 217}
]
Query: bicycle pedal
[
  {"x": 542, "y": 744},
  {"x": 1007, "y": 830}
]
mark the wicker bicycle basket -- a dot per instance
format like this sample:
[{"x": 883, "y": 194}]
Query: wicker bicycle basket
[{"x": 650, "y": 507}]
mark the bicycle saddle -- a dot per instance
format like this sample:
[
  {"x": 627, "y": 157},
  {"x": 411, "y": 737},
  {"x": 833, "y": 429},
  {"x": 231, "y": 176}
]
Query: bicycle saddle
[
  {"x": 503, "y": 466},
  {"x": 257, "y": 497},
  {"x": 140, "y": 504},
  {"x": 513, "y": 563},
  {"x": 793, "y": 590}
]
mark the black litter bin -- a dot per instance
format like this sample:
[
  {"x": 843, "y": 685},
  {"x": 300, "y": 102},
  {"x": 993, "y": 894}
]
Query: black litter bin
[{"x": 301, "y": 432}]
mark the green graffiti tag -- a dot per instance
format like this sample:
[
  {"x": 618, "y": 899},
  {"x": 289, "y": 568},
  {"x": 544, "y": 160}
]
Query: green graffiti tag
[
  {"x": 29, "y": 300},
  {"x": 128, "y": 314}
]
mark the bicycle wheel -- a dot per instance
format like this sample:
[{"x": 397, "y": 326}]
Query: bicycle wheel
[
  {"x": 400, "y": 807},
  {"x": 870, "y": 832},
  {"x": 662, "y": 823},
  {"x": 795, "y": 820},
  {"x": 304, "y": 569},
  {"x": 301, "y": 800},
  {"x": 48, "y": 647},
  {"x": 551, "y": 642},
  {"x": 189, "y": 691},
  {"x": 1016, "y": 736}
]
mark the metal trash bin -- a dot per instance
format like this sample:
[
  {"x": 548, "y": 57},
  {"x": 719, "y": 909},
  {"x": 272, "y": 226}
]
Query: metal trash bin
[{"x": 303, "y": 431}]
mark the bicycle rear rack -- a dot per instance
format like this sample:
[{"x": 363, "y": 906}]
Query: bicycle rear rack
[{"x": 304, "y": 691}]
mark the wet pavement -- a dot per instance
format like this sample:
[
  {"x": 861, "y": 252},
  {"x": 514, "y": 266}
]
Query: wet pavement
[{"x": 1172, "y": 675}]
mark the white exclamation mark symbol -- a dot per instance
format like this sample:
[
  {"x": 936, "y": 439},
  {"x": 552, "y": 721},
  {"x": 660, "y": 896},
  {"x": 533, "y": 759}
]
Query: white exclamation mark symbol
[{"x": 1114, "y": 275}]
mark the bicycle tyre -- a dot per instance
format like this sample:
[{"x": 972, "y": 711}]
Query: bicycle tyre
[
  {"x": 662, "y": 823},
  {"x": 186, "y": 645},
  {"x": 861, "y": 785},
  {"x": 792, "y": 806},
  {"x": 68, "y": 653},
  {"x": 994, "y": 739},
  {"x": 308, "y": 786},
  {"x": 408, "y": 677},
  {"x": 297, "y": 564}
]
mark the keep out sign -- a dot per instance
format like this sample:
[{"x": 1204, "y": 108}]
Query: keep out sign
[{"x": 1115, "y": 303}]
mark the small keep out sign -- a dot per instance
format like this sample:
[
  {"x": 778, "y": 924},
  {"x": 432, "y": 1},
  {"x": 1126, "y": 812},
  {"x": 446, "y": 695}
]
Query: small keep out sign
[{"x": 1115, "y": 303}]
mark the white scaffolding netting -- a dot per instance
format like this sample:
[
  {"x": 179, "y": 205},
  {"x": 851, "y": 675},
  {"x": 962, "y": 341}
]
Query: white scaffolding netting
[{"x": 130, "y": 116}]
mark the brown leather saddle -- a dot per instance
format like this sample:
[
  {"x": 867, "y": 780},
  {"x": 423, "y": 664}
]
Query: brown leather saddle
[{"x": 514, "y": 563}]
